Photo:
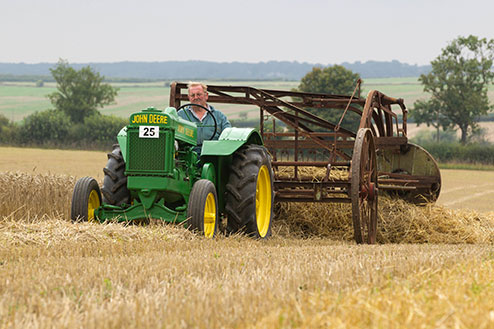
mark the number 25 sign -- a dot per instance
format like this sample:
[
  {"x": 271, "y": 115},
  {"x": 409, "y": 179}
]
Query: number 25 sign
[{"x": 149, "y": 131}]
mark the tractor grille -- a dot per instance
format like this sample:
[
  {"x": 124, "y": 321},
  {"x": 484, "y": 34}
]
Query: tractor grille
[{"x": 145, "y": 154}]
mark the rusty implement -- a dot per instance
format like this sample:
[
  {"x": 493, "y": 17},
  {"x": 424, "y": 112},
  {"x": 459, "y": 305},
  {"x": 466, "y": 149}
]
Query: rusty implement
[{"x": 336, "y": 148}]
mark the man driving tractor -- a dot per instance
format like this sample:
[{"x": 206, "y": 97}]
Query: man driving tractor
[{"x": 198, "y": 94}]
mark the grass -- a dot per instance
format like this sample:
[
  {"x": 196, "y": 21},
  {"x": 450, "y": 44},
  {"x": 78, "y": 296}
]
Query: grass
[{"x": 466, "y": 166}]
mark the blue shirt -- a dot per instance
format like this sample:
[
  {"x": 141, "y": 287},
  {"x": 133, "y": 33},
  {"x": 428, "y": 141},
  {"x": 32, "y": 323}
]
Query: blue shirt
[{"x": 205, "y": 127}]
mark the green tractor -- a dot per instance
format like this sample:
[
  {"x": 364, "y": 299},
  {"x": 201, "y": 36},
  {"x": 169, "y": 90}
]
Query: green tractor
[{"x": 154, "y": 172}]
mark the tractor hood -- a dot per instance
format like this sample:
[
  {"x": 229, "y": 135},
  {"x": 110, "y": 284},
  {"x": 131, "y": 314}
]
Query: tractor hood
[{"x": 185, "y": 131}]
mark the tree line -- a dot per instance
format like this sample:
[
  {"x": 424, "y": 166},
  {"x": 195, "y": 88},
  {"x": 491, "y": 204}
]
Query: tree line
[{"x": 203, "y": 70}]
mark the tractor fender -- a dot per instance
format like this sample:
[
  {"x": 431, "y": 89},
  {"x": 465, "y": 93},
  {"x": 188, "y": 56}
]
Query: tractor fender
[
  {"x": 231, "y": 139},
  {"x": 122, "y": 141},
  {"x": 209, "y": 172}
]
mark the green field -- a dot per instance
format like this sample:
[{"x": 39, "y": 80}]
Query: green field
[
  {"x": 19, "y": 99},
  {"x": 409, "y": 89}
]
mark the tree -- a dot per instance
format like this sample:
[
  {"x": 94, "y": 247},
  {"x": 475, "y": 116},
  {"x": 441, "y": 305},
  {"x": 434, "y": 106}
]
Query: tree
[
  {"x": 335, "y": 80},
  {"x": 431, "y": 113},
  {"x": 458, "y": 85},
  {"x": 8, "y": 131},
  {"x": 97, "y": 129},
  {"x": 80, "y": 93},
  {"x": 51, "y": 126}
]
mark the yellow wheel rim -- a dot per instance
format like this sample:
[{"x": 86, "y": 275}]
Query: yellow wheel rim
[
  {"x": 92, "y": 204},
  {"x": 263, "y": 201},
  {"x": 209, "y": 216}
]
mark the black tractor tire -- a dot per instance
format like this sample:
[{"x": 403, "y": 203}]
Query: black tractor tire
[
  {"x": 202, "y": 210},
  {"x": 114, "y": 188},
  {"x": 249, "y": 193},
  {"x": 85, "y": 199}
]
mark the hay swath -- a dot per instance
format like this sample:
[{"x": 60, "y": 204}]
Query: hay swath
[{"x": 368, "y": 141}]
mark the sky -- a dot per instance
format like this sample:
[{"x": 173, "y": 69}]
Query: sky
[{"x": 312, "y": 31}]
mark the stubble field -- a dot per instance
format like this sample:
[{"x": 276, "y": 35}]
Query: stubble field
[{"x": 433, "y": 268}]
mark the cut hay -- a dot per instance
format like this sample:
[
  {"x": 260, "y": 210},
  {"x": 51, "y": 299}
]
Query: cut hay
[
  {"x": 401, "y": 222},
  {"x": 312, "y": 173},
  {"x": 45, "y": 230},
  {"x": 398, "y": 222},
  {"x": 44, "y": 197}
]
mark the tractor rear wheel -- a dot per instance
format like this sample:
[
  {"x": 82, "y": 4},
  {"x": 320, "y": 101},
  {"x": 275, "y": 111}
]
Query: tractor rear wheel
[
  {"x": 114, "y": 188},
  {"x": 250, "y": 193},
  {"x": 85, "y": 199},
  {"x": 202, "y": 209}
]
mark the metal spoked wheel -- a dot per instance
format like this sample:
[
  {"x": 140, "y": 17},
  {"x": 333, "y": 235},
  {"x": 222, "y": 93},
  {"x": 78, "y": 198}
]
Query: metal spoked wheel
[{"x": 364, "y": 187}]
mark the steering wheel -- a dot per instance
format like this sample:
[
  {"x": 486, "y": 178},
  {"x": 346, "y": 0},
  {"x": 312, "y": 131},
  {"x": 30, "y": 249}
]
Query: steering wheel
[{"x": 208, "y": 110}]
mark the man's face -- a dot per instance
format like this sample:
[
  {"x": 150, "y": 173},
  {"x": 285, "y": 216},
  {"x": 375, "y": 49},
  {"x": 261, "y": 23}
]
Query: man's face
[{"x": 198, "y": 96}]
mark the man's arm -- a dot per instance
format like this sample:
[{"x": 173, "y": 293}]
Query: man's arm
[{"x": 224, "y": 122}]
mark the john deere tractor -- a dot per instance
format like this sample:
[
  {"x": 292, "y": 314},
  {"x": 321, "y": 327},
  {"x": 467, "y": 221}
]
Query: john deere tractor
[{"x": 154, "y": 172}]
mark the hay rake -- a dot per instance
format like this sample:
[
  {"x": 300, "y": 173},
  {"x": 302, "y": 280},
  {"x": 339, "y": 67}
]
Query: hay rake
[{"x": 369, "y": 143}]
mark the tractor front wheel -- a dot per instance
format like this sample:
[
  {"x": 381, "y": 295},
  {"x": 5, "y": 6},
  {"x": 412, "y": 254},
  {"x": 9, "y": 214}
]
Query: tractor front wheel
[
  {"x": 249, "y": 193},
  {"x": 85, "y": 199},
  {"x": 202, "y": 209}
]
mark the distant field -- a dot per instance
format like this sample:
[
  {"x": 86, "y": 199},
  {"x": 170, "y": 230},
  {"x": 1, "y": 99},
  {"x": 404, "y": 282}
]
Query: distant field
[
  {"x": 467, "y": 189},
  {"x": 18, "y": 100},
  {"x": 409, "y": 89}
]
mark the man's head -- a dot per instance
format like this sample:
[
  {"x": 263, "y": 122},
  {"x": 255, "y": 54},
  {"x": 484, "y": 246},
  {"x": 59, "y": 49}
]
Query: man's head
[{"x": 198, "y": 93}]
